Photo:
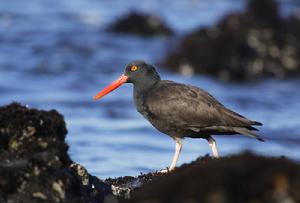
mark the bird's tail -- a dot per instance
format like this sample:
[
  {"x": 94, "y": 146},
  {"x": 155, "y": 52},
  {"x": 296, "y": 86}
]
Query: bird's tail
[
  {"x": 245, "y": 131},
  {"x": 256, "y": 123}
]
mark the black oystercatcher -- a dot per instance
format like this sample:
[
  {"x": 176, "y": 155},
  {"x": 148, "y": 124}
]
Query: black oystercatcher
[{"x": 180, "y": 110}]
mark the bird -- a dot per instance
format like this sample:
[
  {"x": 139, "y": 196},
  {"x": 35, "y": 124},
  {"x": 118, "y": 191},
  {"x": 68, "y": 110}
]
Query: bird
[{"x": 180, "y": 110}]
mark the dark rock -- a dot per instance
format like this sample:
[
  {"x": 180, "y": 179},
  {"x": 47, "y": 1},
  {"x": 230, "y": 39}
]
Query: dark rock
[
  {"x": 35, "y": 166},
  {"x": 241, "y": 178},
  {"x": 242, "y": 47},
  {"x": 141, "y": 24},
  {"x": 263, "y": 13},
  {"x": 123, "y": 187}
]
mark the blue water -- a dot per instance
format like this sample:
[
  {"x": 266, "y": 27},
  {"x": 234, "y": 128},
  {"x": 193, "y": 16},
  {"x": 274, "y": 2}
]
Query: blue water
[{"x": 56, "y": 54}]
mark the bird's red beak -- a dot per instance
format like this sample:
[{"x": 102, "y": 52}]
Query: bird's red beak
[{"x": 117, "y": 83}]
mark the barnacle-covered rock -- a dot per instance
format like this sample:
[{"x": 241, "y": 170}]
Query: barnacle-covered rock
[{"x": 35, "y": 165}]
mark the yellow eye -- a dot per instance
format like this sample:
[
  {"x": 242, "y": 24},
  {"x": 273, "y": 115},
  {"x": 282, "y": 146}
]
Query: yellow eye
[{"x": 133, "y": 68}]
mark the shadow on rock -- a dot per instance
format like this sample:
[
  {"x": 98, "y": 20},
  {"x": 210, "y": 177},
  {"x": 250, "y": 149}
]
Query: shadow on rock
[
  {"x": 242, "y": 46},
  {"x": 35, "y": 166},
  {"x": 141, "y": 24}
]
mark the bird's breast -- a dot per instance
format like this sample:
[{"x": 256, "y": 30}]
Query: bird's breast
[{"x": 141, "y": 106}]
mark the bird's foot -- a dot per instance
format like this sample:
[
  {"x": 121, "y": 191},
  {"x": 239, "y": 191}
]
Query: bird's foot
[
  {"x": 167, "y": 170},
  {"x": 164, "y": 170}
]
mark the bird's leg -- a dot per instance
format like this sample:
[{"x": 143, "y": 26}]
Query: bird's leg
[
  {"x": 178, "y": 147},
  {"x": 212, "y": 143}
]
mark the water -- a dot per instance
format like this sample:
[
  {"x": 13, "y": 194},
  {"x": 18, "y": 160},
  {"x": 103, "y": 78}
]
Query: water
[{"x": 56, "y": 54}]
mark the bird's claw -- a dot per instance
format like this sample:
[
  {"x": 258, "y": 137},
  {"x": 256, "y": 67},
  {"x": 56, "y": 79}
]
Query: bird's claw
[
  {"x": 167, "y": 170},
  {"x": 164, "y": 171}
]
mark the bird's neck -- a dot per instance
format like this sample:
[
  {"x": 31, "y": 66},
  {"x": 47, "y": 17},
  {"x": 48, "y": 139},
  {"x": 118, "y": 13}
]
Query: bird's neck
[
  {"x": 140, "y": 91},
  {"x": 143, "y": 86}
]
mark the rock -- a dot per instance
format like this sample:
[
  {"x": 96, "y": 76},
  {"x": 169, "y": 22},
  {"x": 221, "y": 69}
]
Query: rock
[
  {"x": 35, "y": 166},
  {"x": 242, "y": 47},
  {"x": 141, "y": 24},
  {"x": 240, "y": 178},
  {"x": 123, "y": 187}
]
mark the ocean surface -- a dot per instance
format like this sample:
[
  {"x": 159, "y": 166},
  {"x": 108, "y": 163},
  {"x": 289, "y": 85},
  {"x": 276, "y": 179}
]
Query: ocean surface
[{"x": 56, "y": 54}]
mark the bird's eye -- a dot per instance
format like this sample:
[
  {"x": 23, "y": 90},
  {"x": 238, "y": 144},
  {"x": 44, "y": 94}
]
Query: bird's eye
[{"x": 133, "y": 68}]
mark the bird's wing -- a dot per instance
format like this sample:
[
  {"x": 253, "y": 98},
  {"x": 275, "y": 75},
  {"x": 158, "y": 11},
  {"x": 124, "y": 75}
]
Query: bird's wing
[{"x": 190, "y": 107}]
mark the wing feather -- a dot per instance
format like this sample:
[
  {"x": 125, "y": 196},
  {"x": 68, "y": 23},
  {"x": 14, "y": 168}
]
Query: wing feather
[{"x": 190, "y": 107}]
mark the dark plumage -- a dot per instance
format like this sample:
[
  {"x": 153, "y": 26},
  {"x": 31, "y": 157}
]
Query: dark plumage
[
  {"x": 180, "y": 110},
  {"x": 189, "y": 112}
]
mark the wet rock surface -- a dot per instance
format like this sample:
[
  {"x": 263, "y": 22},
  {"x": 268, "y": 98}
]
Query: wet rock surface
[
  {"x": 241, "y": 178},
  {"x": 35, "y": 166},
  {"x": 245, "y": 46},
  {"x": 141, "y": 24},
  {"x": 123, "y": 187}
]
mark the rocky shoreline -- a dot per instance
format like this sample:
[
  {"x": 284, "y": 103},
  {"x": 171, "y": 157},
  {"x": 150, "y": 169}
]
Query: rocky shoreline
[
  {"x": 251, "y": 45},
  {"x": 35, "y": 167}
]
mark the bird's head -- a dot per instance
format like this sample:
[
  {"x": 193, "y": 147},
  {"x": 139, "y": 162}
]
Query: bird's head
[{"x": 139, "y": 73}]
